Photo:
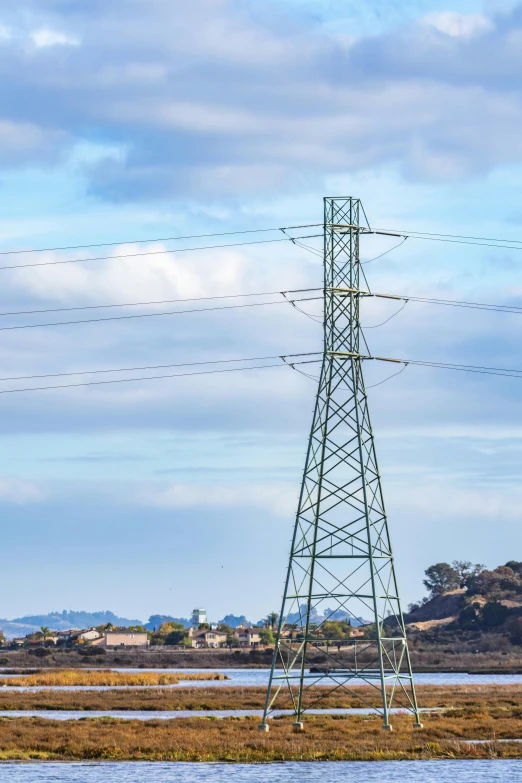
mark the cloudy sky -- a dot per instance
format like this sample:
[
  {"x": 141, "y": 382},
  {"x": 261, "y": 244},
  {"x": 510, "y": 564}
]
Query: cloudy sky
[{"x": 141, "y": 119}]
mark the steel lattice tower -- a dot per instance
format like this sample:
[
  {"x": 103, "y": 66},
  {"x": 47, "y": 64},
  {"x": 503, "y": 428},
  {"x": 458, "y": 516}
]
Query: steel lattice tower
[{"x": 341, "y": 556}]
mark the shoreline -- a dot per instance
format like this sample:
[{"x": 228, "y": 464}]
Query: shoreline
[{"x": 476, "y": 664}]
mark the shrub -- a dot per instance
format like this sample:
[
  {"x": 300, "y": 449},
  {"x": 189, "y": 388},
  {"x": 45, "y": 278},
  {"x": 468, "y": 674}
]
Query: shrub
[
  {"x": 175, "y": 637},
  {"x": 90, "y": 651},
  {"x": 503, "y": 582},
  {"x": 516, "y": 630},
  {"x": 40, "y": 652},
  {"x": 267, "y": 636},
  {"x": 468, "y": 617},
  {"x": 493, "y": 614}
]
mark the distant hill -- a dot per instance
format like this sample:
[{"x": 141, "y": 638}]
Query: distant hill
[
  {"x": 233, "y": 620},
  {"x": 329, "y": 614},
  {"x": 444, "y": 608},
  {"x": 155, "y": 620},
  {"x": 477, "y": 607},
  {"x": 61, "y": 621}
]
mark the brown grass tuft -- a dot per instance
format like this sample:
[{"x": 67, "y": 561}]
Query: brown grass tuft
[{"x": 64, "y": 677}]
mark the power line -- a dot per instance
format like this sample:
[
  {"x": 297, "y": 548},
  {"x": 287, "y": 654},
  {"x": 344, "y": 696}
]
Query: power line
[
  {"x": 509, "y": 372},
  {"x": 147, "y": 378},
  {"x": 394, "y": 375},
  {"x": 161, "y": 301},
  {"x": 469, "y": 305},
  {"x": 157, "y": 366},
  {"x": 155, "y": 252},
  {"x": 155, "y": 315},
  {"x": 155, "y": 239},
  {"x": 456, "y": 236},
  {"x": 444, "y": 238},
  {"x": 513, "y": 309},
  {"x": 465, "y": 242},
  {"x": 385, "y": 252},
  {"x": 482, "y": 370},
  {"x": 435, "y": 236},
  {"x": 376, "y": 326},
  {"x": 283, "y": 292}
]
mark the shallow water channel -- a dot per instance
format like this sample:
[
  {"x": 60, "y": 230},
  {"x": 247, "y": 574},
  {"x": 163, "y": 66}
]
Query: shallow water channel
[
  {"x": 498, "y": 771},
  {"x": 169, "y": 714}
]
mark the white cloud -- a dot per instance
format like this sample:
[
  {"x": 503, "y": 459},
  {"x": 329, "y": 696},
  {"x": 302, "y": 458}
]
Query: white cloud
[
  {"x": 23, "y": 141},
  {"x": 19, "y": 491},
  {"x": 240, "y": 101},
  {"x": 141, "y": 277},
  {"x": 459, "y": 25},
  {"x": 45, "y": 37},
  {"x": 278, "y": 498},
  {"x": 442, "y": 500}
]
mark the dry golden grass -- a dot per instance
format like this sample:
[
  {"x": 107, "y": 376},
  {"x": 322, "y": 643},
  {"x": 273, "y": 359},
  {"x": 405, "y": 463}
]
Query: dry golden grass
[
  {"x": 64, "y": 677},
  {"x": 205, "y": 739},
  {"x": 250, "y": 698}
]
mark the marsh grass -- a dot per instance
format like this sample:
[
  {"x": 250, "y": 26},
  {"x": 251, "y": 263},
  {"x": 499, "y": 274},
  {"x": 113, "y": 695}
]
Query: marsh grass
[
  {"x": 476, "y": 697},
  {"x": 238, "y": 740},
  {"x": 64, "y": 677}
]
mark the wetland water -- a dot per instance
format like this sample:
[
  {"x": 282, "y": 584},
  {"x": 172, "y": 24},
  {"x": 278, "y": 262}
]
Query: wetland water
[
  {"x": 497, "y": 771},
  {"x": 246, "y": 677},
  {"x": 169, "y": 714}
]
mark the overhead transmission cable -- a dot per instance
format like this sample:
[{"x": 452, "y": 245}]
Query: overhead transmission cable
[
  {"x": 513, "y": 309},
  {"x": 158, "y": 366},
  {"x": 394, "y": 375},
  {"x": 153, "y": 377},
  {"x": 154, "y": 252},
  {"x": 157, "y": 239},
  {"x": 156, "y": 315},
  {"x": 432, "y": 236},
  {"x": 505, "y": 372},
  {"x": 473, "y": 368},
  {"x": 376, "y": 326},
  {"x": 450, "y": 237},
  {"x": 369, "y": 260},
  {"x": 160, "y": 301}
]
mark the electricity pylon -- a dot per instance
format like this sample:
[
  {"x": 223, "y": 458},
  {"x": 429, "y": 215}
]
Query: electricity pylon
[{"x": 341, "y": 563}]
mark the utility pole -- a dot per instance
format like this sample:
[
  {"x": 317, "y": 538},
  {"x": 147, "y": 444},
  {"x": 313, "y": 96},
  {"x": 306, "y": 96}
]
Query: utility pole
[{"x": 341, "y": 563}]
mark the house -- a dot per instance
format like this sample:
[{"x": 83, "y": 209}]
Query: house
[
  {"x": 248, "y": 637},
  {"x": 122, "y": 637},
  {"x": 75, "y": 635},
  {"x": 51, "y": 639},
  {"x": 88, "y": 635},
  {"x": 208, "y": 638},
  {"x": 65, "y": 638}
]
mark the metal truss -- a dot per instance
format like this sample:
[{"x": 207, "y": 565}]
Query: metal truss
[{"x": 341, "y": 558}]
